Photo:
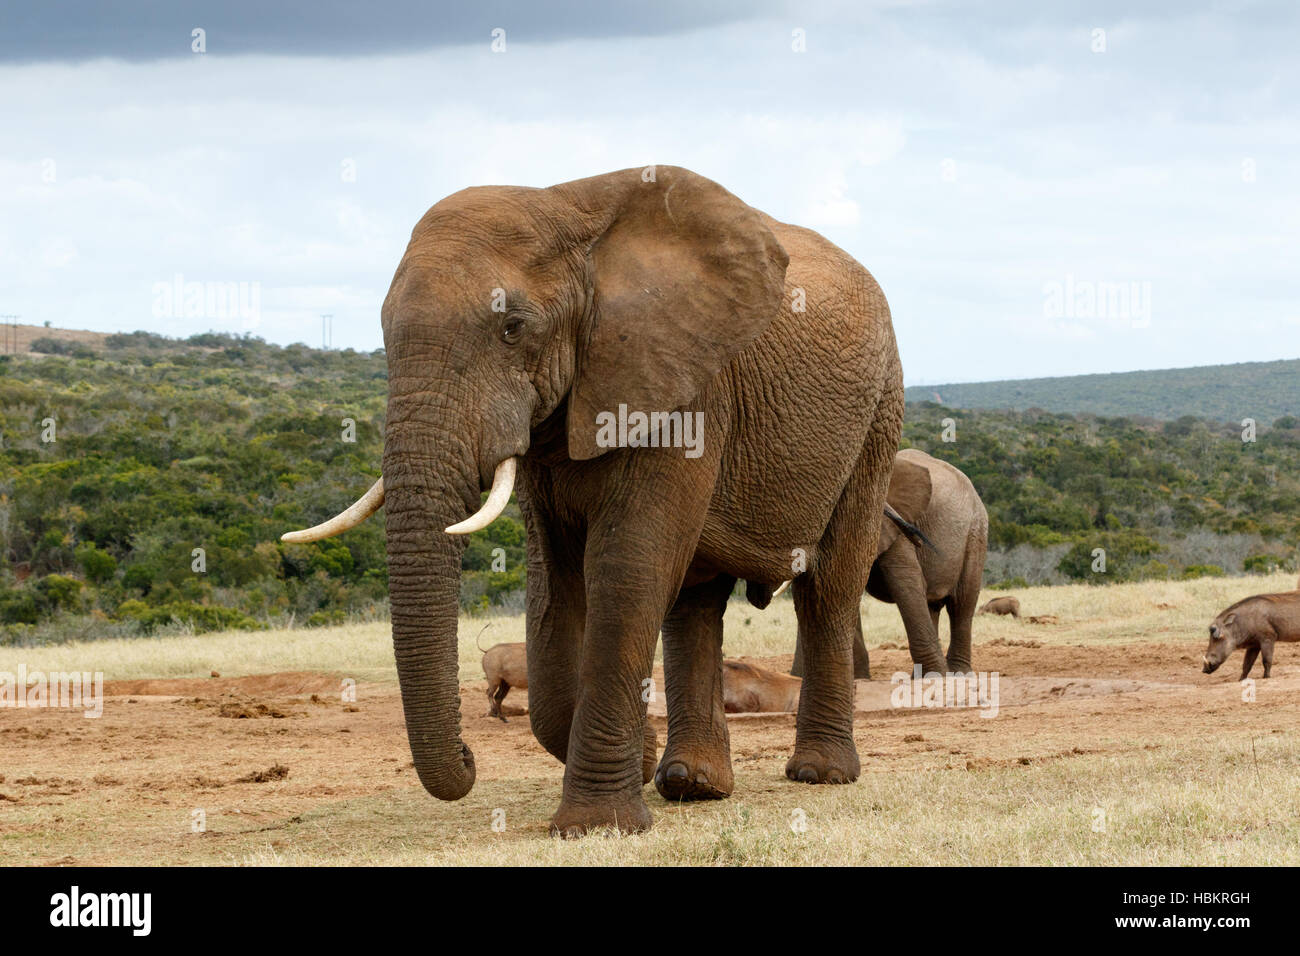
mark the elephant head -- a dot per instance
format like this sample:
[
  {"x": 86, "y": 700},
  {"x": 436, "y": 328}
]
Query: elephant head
[
  {"x": 908, "y": 497},
  {"x": 513, "y": 308}
]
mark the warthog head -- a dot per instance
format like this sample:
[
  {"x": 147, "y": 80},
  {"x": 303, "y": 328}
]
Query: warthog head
[{"x": 1225, "y": 637}]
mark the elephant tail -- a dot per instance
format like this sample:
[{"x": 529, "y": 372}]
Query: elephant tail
[
  {"x": 910, "y": 531},
  {"x": 478, "y": 635}
]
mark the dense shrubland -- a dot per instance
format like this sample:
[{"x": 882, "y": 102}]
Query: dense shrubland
[
  {"x": 218, "y": 443},
  {"x": 176, "y": 464},
  {"x": 1180, "y": 498}
]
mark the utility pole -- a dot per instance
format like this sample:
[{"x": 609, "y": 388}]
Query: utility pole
[
  {"x": 326, "y": 330},
  {"x": 11, "y": 331}
]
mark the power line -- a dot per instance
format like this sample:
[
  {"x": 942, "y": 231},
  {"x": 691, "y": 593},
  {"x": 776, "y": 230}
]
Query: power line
[{"x": 11, "y": 331}]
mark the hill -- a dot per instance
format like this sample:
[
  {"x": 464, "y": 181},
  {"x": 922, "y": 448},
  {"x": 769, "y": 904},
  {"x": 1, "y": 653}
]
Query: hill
[
  {"x": 20, "y": 339},
  {"x": 1264, "y": 391}
]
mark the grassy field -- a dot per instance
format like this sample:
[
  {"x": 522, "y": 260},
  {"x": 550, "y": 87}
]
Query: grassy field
[{"x": 1182, "y": 773}]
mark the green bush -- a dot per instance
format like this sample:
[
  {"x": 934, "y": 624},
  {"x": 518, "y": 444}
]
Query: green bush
[
  {"x": 200, "y": 617},
  {"x": 98, "y": 566},
  {"x": 1262, "y": 563},
  {"x": 18, "y": 607},
  {"x": 1009, "y": 584},
  {"x": 58, "y": 592},
  {"x": 1123, "y": 553}
]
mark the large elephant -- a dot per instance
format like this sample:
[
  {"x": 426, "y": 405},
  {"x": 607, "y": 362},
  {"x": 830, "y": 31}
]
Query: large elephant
[
  {"x": 944, "y": 570},
  {"x": 520, "y": 324}
]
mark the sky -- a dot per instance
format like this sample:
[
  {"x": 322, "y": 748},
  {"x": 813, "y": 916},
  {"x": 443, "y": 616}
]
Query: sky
[{"x": 1040, "y": 189}]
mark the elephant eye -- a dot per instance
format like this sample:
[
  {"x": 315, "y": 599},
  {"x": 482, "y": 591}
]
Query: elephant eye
[{"x": 513, "y": 330}]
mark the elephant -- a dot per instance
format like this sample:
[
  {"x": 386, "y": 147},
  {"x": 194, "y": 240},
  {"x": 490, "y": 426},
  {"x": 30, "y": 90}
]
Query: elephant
[
  {"x": 944, "y": 569},
  {"x": 543, "y": 334}
]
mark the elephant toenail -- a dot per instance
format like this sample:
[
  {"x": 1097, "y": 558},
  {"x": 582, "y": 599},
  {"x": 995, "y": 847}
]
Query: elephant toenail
[
  {"x": 834, "y": 776},
  {"x": 676, "y": 773},
  {"x": 807, "y": 775},
  {"x": 701, "y": 780}
]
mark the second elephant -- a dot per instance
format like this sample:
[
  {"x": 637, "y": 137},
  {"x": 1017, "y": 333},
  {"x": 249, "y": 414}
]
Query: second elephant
[{"x": 922, "y": 581}]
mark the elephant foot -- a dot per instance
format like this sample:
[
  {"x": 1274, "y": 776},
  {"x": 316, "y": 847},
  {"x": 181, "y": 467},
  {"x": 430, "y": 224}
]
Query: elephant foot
[
  {"x": 963, "y": 666},
  {"x": 629, "y": 815},
  {"x": 682, "y": 776},
  {"x": 824, "y": 763}
]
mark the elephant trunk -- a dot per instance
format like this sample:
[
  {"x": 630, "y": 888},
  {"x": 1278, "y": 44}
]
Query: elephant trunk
[{"x": 424, "y": 591}]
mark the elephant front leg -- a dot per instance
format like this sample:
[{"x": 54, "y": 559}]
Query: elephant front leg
[
  {"x": 557, "y": 609},
  {"x": 696, "y": 764},
  {"x": 605, "y": 762},
  {"x": 640, "y": 539}
]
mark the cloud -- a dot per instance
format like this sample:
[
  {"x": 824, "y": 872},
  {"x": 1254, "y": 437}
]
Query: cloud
[
  {"x": 75, "y": 30},
  {"x": 304, "y": 172}
]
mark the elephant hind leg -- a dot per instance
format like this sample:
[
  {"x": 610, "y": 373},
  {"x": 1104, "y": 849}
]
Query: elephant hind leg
[
  {"x": 696, "y": 764},
  {"x": 961, "y": 608},
  {"x": 827, "y": 600}
]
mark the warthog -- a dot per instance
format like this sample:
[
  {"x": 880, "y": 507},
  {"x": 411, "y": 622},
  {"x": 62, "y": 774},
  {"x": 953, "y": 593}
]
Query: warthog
[
  {"x": 1255, "y": 623},
  {"x": 1002, "y": 605},
  {"x": 747, "y": 689},
  {"x": 505, "y": 666}
]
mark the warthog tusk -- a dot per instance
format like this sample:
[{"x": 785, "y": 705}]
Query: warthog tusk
[
  {"x": 503, "y": 482},
  {"x": 781, "y": 590},
  {"x": 362, "y": 509}
]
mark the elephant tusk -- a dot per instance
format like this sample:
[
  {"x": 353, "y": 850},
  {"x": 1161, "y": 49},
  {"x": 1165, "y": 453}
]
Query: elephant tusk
[
  {"x": 781, "y": 590},
  {"x": 362, "y": 509},
  {"x": 503, "y": 482}
]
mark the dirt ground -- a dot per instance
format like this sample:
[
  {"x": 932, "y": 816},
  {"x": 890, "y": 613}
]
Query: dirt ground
[{"x": 207, "y": 770}]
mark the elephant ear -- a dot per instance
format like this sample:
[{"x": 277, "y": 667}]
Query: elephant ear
[
  {"x": 909, "y": 494},
  {"x": 682, "y": 276}
]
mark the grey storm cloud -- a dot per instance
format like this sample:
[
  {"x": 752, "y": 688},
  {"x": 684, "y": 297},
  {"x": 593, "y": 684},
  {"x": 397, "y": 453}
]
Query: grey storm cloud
[{"x": 71, "y": 30}]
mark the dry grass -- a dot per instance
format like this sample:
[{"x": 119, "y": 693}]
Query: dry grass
[
  {"x": 1186, "y": 811},
  {"x": 1120, "y": 613},
  {"x": 1174, "y": 777}
]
